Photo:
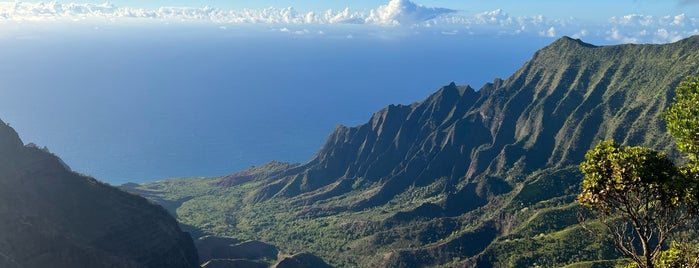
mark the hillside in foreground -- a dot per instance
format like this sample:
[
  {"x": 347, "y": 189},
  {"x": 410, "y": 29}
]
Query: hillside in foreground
[
  {"x": 53, "y": 217},
  {"x": 466, "y": 177}
]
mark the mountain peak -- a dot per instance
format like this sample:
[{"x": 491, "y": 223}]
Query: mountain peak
[{"x": 568, "y": 42}]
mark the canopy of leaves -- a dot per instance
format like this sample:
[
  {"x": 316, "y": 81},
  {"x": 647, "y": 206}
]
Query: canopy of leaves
[
  {"x": 626, "y": 179},
  {"x": 682, "y": 117},
  {"x": 688, "y": 187},
  {"x": 629, "y": 188},
  {"x": 679, "y": 255}
]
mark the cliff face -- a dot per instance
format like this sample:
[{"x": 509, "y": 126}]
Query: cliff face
[
  {"x": 569, "y": 96},
  {"x": 53, "y": 217}
]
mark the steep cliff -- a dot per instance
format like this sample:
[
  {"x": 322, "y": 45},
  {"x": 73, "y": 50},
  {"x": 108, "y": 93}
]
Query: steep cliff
[
  {"x": 53, "y": 217},
  {"x": 566, "y": 98}
]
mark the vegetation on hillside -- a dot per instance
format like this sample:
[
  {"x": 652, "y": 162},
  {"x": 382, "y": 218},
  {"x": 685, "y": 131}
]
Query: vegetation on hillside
[
  {"x": 625, "y": 186},
  {"x": 485, "y": 178}
]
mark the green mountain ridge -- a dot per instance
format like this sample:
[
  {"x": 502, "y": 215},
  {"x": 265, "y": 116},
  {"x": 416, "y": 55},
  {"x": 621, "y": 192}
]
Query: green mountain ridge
[
  {"x": 53, "y": 217},
  {"x": 464, "y": 178}
]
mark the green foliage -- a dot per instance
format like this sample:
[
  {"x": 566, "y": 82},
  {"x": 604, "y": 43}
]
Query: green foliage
[
  {"x": 344, "y": 239},
  {"x": 629, "y": 188},
  {"x": 641, "y": 188},
  {"x": 595, "y": 264},
  {"x": 679, "y": 255},
  {"x": 682, "y": 117},
  {"x": 616, "y": 178},
  {"x": 549, "y": 220},
  {"x": 554, "y": 249},
  {"x": 688, "y": 187},
  {"x": 549, "y": 185}
]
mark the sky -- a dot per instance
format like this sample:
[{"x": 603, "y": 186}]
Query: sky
[{"x": 603, "y": 22}]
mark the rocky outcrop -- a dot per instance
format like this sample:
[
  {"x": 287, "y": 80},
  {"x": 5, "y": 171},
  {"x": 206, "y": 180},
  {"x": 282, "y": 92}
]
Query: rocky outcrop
[{"x": 53, "y": 217}]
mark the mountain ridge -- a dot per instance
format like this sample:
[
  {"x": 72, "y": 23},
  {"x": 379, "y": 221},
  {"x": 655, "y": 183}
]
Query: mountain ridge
[
  {"x": 375, "y": 146},
  {"x": 53, "y": 217},
  {"x": 461, "y": 177}
]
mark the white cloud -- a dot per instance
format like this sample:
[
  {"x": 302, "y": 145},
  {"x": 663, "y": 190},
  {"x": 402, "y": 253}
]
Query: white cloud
[
  {"x": 343, "y": 17},
  {"x": 679, "y": 19},
  {"x": 495, "y": 17},
  {"x": 634, "y": 28},
  {"x": 580, "y": 34},
  {"x": 551, "y": 32},
  {"x": 663, "y": 35},
  {"x": 401, "y": 12},
  {"x": 615, "y": 35},
  {"x": 632, "y": 19}
]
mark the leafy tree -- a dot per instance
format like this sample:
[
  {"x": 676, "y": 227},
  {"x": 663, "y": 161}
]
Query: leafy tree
[
  {"x": 682, "y": 117},
  {"x": 626, "y": 187},
  {"x": 679, "y": 255},
  {"x": 641, "y": 196}
]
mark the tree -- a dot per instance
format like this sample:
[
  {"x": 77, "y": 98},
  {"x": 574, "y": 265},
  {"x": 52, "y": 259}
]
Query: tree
[
  {"x": 682, "y": 117},
  {"x": 626, "y": 187}
]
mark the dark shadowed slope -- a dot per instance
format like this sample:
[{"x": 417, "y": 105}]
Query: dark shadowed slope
[{"x": 53, "y": 217}]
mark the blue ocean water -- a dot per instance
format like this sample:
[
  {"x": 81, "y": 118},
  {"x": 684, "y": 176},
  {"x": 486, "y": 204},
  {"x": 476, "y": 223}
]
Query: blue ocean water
[{"x": 146, "y": 103}]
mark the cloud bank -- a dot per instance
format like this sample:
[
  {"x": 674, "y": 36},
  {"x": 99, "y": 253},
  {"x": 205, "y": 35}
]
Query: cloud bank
[
  {"x": 396, "y": 12},
  {"x": 631, "y": 28}
]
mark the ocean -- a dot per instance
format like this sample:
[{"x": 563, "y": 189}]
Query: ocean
[{"x": 136, "y": 104}]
